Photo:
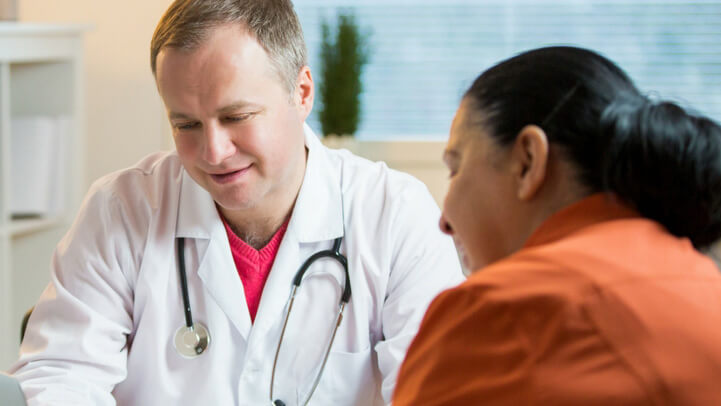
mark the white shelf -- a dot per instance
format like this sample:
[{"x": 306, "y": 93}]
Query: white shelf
[
  {"x": 28, "y": 43},
  {"x": 21, "y": 227},
  {"x": 41, "y": 75},
  {"x": 24, "y": 29}
]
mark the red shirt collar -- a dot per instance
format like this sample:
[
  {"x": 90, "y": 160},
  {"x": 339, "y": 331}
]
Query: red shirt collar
[{"x": 267, "y": 253}]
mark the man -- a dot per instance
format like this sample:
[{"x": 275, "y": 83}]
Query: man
[{"x": 249, "y": 196}]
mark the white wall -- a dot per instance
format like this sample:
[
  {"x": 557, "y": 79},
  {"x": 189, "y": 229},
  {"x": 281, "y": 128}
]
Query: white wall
[{"x": 125, "y": 119}]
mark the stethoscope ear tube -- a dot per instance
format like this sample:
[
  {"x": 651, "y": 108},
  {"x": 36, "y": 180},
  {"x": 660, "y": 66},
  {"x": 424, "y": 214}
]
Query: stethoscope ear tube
[
  {"x": 335, "y": 254},
  {"x": 344, "y": 261},
  {"x": 346, "y": 289}
]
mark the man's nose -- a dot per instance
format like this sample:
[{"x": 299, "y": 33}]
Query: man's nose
[
  {"x": 445, "y": 226},
  {"x": 218, "y": 145}
]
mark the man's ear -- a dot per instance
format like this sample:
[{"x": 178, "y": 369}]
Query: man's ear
[
  {"x": 530, "y": 161},
  {"x": 304, "y": 92}
]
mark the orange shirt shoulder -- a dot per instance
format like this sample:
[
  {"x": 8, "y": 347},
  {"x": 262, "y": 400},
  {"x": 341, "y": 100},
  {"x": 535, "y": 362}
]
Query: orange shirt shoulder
[{"x": 600, "y": 307}]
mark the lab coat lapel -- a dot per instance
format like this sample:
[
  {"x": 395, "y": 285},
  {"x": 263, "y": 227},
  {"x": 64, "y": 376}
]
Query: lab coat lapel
[
  {"x": 318, "y": 212},
  {"x": 317, "y": 217},
  {"x": 198, "y": 219}
]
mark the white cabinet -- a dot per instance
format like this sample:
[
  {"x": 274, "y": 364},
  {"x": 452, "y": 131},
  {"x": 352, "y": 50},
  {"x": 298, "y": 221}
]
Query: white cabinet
[{"x": 41, "y": 76}]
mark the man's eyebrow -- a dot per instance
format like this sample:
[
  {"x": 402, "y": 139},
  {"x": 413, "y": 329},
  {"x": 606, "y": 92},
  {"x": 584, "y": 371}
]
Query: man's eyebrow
[
  {"x": 175, "y": 115},
  {"x": 241, "y": 104}
]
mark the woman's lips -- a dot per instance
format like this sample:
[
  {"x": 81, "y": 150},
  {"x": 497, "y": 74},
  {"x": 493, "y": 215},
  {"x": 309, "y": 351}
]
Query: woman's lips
[{"x": 229, "y": 177}]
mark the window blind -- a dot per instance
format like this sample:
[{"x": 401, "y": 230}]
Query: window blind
[{"x": 425, "y": 53}]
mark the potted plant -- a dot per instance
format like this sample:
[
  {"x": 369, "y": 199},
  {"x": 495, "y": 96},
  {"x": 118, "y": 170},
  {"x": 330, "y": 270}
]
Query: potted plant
[{"x": 343, "y": 56}]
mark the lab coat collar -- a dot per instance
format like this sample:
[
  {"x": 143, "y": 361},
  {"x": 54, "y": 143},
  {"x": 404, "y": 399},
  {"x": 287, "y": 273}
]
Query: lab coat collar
[
  {"x": 318, "y": 212},
  {"x": 197, "y": 215},
  {"x": 199, "y": 219},
  {"x": 317, "y": 217}
]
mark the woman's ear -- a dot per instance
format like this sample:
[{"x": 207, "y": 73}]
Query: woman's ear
[{"x": 530, "y": 161}]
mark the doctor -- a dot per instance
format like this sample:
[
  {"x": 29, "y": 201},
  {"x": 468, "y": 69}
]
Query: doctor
[{"x": 252, "y": 194}]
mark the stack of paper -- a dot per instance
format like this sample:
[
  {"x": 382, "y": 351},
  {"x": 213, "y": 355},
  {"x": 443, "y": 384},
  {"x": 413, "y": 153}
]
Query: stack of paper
[{"x": 38, "y": 165}]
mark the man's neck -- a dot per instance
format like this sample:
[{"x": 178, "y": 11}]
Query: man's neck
[
  {"x": 258, "y": 233},
  {"x": 256, "y": 226}
]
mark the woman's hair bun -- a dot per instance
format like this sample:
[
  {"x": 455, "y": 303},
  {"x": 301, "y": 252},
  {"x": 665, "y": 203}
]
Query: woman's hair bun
[{"x": 667, "y": 163}]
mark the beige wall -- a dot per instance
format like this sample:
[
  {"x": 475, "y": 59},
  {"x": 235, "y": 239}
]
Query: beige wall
[{"x": 125, "y": 119}]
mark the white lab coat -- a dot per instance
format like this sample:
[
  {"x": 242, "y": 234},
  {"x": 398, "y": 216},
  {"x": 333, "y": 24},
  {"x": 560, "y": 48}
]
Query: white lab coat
[{"x": 103, "y": 329}]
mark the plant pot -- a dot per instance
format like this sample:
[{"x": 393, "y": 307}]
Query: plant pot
[{"x": 8, "y": 10}]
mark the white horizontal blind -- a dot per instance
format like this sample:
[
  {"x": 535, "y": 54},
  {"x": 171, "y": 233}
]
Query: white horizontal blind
[{"x": 425, "y": 53}]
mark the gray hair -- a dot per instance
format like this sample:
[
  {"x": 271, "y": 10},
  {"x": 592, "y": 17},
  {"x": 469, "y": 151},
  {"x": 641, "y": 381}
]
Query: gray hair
[{"x": 273, "y": 23}]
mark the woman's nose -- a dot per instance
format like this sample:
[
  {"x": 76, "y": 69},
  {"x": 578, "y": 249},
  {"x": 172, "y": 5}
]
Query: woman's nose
[{"x": 445, "y": 226}]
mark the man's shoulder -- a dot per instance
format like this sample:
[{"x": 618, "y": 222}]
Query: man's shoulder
[
  {"x": 377, "y": 178},
  {"x": 153, "y": 168},
  {"x": 144, "y": 183}
]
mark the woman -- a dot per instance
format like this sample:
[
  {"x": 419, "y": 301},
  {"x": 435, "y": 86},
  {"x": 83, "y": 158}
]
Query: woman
[{"x": 581, "y": 205}]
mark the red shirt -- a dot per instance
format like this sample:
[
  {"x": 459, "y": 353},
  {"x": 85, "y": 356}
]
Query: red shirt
[{"x": 253, "y": 265}]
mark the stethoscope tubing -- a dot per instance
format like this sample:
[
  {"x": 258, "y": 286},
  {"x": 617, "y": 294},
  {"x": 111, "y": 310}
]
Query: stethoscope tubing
[
  {"x": 335, "y": 254},
  {"x": 184, "y": 283},
  {"x": 192, "y": 339},
  {"x": 345, "y": 297}
]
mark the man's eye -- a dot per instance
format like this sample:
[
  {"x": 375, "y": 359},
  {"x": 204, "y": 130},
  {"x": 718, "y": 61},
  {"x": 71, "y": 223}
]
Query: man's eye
[
  {"x": 186, "y": 126},
  {"x": 238, "y": 117}
]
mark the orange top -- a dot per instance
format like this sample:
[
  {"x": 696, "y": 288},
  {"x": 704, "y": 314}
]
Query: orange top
[{"x": 600, "y": 307}]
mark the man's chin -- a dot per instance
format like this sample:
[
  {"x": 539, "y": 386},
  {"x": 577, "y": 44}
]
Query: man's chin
[
  {"x": 235, "y": 204},
  {"x": 233, "y": 196}
]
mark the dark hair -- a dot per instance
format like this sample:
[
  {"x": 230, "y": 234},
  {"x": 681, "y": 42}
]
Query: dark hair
[{"x": 655, "y": 156}]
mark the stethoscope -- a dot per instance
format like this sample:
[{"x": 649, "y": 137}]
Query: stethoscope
[
  {"x": 334, "y": 254},
  {"x": 193, "y": 339}
]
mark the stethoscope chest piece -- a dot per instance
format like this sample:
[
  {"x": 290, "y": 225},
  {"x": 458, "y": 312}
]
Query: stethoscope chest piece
[{"x": 192, "y": 341}]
